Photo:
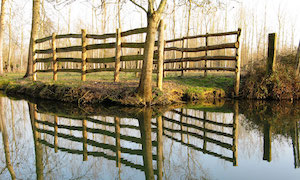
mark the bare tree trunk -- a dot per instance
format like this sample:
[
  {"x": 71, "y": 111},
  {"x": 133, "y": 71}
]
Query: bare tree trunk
[
  {"x": 145, "y": 86},
  {"x": 33, "y": 36},
  {"x": 22, "y": 42},
  {"x": 153, "y": 18},
  {"x": 9, "y": 42},
  {"x": 2, "y": 17}
]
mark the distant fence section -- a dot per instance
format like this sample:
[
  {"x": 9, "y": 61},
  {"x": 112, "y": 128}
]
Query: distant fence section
[{"x": 169, "y": 63}]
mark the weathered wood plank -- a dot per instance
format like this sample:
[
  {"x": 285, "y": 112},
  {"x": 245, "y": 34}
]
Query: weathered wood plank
[
  {"x": 203, "y": 68},
  {"x": 68, "y": 36},
  {"x": 48, "y": 38},
  {"x": 132, "y": 45},
  {"x": 117, "y": 55},
  {"x": 68, "y": 49},
  {"x": 238, "y": 65},
  {"x": 100, "y": 46},
  {"x": 100, "y": 60},
  {"x": 204, "y": 48},
  {"x": 83, "y": 54},
  {"x": 132, "y": 58},
  {"x": 202, "y": 58},
  {"x": 134, "y": 31},
  {"x": 203, "y": 36},
  {"x": 103, "y": 36},
  {"x": 160, "y": 61},
  {"x": 43, "y": 51},
  {"x": 54, "y": 57},
  {"x": 45, "y": 70}
]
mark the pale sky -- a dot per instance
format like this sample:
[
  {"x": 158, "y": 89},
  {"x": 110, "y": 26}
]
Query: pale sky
[{"x": 130, "y": 16}]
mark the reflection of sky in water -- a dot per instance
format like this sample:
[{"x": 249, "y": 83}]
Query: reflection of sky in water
[{"x": 180, "y": 161}]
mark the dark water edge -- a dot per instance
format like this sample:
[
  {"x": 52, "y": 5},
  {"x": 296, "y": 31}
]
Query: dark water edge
[{"x": 225, "y": 140}]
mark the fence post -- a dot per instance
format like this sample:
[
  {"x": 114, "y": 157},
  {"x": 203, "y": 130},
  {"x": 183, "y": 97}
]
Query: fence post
[
  {"x": 54, "y": 57},
  {"x": 182, "y": 56},
  {"x": 238, "y": 65},
  {"x": 34, "y": 57},
  {"x": 205, "y": 62},
  {"x": 83, "y": 54},
  {"x": 160, "y": 61},
  {"x": 271, "y": 53},
  {"x": 118, "y": 55}
]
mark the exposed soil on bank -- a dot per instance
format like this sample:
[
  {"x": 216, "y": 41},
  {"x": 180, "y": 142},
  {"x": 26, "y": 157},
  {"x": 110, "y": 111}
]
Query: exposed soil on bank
[{"x": 123, "y": 93}]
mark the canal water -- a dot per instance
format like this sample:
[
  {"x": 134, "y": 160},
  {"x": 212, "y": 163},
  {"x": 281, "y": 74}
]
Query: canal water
[{"x": 225, "y": 140}]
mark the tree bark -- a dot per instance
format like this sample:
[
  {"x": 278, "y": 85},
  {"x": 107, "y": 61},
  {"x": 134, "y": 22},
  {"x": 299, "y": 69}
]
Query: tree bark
[
  {"x": 153, "y": 18},
  {"x": 33, "y": 36},
  {"x": 145, "y": 85},
  {"x": 2, "y": 17}
]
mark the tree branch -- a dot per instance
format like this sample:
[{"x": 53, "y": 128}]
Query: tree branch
[
  {"x": 150, "y": 6},
  {"x": 161, "y": 6},
  {"x": 132, "y": 1}
]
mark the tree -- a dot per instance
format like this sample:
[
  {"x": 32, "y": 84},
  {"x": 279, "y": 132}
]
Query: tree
[
  {"x": 2, "y": 16},
  {"x": 34, "y": 33},
  {"x": 153, "y": 19}
]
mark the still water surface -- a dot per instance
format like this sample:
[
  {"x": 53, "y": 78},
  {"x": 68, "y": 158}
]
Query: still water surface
[{"x": 235, "y": 140}]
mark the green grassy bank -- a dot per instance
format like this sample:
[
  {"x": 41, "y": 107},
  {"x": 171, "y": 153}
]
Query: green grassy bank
[{"x": 100, "y": 88}]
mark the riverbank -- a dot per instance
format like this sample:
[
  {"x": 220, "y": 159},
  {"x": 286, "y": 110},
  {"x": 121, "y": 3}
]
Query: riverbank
[{"x": 100, "y": 89}]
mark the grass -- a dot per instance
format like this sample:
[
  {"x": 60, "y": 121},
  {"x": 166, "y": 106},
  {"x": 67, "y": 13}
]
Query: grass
[
  {"x": 200, "y": 84},
  {"x": 100, "y": 86}
]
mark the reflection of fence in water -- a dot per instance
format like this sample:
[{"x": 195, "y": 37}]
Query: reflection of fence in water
[
  {"x": 158, "y": 127},
  {"x": 205, "y": 130}
]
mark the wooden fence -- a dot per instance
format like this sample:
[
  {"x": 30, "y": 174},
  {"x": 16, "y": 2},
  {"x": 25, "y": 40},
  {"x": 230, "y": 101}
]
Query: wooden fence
[
  {"x": 163, "y": 46},
  {"x": 202, "y": 130}
]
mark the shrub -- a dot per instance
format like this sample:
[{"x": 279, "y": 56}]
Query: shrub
[{"x": 281, "y": 84}]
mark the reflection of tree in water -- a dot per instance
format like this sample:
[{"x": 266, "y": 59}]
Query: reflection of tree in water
[
  {"x": 274, "y": 120},
  {"x": 9, "y": 165},
  {"x": 16, "y": 137}
]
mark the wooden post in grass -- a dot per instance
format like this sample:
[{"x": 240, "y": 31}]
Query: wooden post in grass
[
  {"x": 118, "y": 55},
  {"x": 206, "y": 44},
  {"x": 271, "y": 53},
  {"x": 54, "y": 57},
  {"x": 298, "y": 60},
  {"x": 182, "y": 56},
  {"x": 238, "y": 65},
  {"x": 34, "y": 57},
  {"x": 160, "y": 61},
  {"x": 83, "y": 54}
]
